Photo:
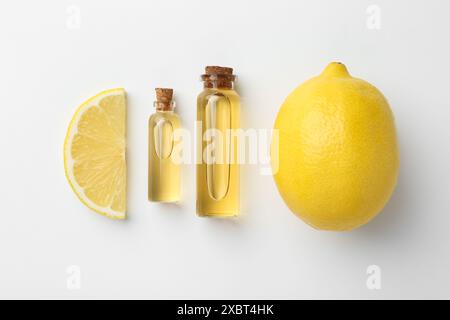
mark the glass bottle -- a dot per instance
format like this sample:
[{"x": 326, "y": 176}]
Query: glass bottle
[
  {"x": 218, "y": 109},
  {"x": 163, "y": 169}
]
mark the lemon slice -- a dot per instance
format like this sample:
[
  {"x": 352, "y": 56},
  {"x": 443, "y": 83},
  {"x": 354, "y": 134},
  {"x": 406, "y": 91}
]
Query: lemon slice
[{"x": 94, "y": 153}]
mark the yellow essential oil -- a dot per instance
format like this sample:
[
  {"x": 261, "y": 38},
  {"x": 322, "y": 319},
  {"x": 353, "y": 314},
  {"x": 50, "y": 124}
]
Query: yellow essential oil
[
  {"x": 218, "y": 109},
  {"x": 163, "y": 166}
]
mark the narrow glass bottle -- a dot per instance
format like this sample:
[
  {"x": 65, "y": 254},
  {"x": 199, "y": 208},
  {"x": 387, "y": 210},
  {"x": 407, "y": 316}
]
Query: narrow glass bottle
[
  {"x": 218, "y": 109},
  {"x": 163, "y": 169}
]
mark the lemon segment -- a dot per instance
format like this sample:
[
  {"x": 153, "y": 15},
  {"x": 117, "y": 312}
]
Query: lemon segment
[{"x": 95, "y": 153}]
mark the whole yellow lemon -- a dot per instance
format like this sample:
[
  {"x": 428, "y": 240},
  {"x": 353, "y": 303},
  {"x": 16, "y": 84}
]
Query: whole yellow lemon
[{"x": 335, "y": 160}]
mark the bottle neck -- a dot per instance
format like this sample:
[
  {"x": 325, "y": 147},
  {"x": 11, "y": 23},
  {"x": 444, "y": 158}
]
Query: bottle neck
[
  {"x": 164, "y": 106},
  {"x": 218, "y": 81},
  {"x": 226, "y": 85}
]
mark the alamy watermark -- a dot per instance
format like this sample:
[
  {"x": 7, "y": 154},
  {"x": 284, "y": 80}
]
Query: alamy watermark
[
  {"x": 373, "y": 21},
  {"x": 373, "y": 281},
  {"x": 73, "y": 281},
  {"x": 229, "y": 146},
  {"x": 73, "y": 20}
]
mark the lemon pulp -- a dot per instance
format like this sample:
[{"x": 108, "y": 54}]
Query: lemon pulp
[{"x": 95, "y": 153}]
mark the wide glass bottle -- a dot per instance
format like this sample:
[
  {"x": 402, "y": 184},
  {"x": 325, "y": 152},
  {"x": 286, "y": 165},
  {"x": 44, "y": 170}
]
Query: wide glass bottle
[
  {"x": 163, "y": 167},
  {"x": 218, "y": 109}
]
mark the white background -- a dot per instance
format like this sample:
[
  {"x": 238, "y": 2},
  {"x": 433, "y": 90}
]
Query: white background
[{"x": 48, "y": 67}]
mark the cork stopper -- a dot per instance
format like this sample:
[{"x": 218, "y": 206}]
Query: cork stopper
[
  {"x": 164, "y": 99},
  {"x": 218, "y": 77},
  {"x": 164, "y": 95},
  {"x": 218, "y": 70}
]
